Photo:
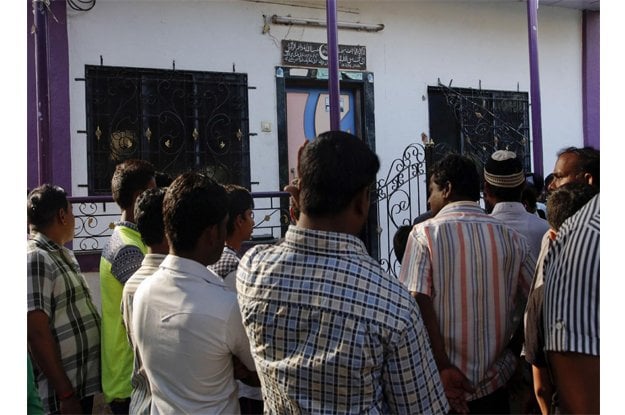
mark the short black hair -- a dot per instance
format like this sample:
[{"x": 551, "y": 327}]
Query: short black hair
[
  {"x": 332, "y": 169},
  {"x": 149, "y": 216},
  {"x": 192, "y": 203},
  {"x": 529, "y": 198},
  {"x": 507, "y": 194},
  {"x": 400, "y": 240},
  {"x": 588, "y": 161},
  {"x": 44, "y": 203},
  {"x": 162, "y": 179},
  {"x": 129, "y": 177},
  {"x": 239, "y": 200},
  {"x": 461, "y": 172},
  {"x": 567, "y": 199}
]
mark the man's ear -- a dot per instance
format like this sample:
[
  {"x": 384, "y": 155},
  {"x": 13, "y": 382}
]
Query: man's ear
[
  {"x": 447, "y": 190},
  {"x": 361, "y": 202},
  {"x": 589, "y": 179},
  {"x": 61, "y": 215},
  {"x": 238, "y": 221},
  {"x": 486, "y": 189},
  {"x": 552, "y": 234}
]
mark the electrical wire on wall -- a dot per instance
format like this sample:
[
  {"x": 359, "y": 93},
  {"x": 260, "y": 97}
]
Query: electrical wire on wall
[{"x": 81, "y": 5}]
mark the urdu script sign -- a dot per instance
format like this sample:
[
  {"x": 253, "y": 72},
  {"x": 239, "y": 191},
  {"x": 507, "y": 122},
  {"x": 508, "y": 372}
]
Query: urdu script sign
[{"x": 316, "y": 55}]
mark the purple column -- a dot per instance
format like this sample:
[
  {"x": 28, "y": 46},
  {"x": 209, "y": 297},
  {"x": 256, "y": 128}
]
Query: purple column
[
  {"x": 49, "y": 138},
  {"x": 333, "y": 65},
  {"x": 532, "y": 30},
  {"x": 41, "y": 90},
  {"x": 590, "y": 75}
]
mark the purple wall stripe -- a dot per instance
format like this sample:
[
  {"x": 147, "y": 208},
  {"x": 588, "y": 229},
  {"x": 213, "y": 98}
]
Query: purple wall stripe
[{"x": 590, "y": 77}]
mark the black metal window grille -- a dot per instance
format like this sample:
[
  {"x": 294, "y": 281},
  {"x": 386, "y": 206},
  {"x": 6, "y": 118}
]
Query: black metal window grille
[
  {"x": 476, "y": 122},
  {"x": 177, "y": 120}
]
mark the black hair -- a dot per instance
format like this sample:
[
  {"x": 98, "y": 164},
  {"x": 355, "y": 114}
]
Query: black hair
[
  {"x": 588, "y": 161},
  {"x": 130, "y": 176},
  {"x": 461, "y": 172},
  {"x": 162, "y": 179},
  {"x": 333, "y": 168},
  {"x": 192, "y": 203},
  {"x": 506, "y": 194},
  {"x": 239, "y": 200},
  {"x": 149, "y": 216},
  {"x": 529, "y": 198},
  {"x": 567, "y": 199},
  {"x": 400, "y": 240},
  {"x": 44, "y": 203}
]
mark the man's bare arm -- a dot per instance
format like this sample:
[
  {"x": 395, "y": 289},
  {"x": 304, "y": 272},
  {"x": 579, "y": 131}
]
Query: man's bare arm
[
  {"x": 45, "y": 354},
  {"x": 576, "y": 378}
]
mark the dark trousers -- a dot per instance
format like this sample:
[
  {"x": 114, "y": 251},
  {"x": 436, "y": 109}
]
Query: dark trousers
[
  {"x": 86, "y": 404},
  {"x": 495, "y": 403},
  {"x": 120, "y": 406},
  {"x": 250, "y": 406}
]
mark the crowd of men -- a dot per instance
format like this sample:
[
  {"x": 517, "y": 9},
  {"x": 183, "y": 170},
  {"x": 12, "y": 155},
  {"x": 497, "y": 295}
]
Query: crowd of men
[{"x": 312, "y": 324}]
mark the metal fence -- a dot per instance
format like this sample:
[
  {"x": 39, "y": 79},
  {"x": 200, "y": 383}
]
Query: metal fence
[{"x": 95, "y": 217}]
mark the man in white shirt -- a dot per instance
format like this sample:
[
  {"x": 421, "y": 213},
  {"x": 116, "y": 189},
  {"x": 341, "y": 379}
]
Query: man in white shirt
[
  {"x": 504, "y": 181},
  {"x": 186, "y": 323}
]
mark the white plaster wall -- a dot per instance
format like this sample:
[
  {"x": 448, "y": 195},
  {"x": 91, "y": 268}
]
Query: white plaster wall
[{"x": 422, "y": 41}]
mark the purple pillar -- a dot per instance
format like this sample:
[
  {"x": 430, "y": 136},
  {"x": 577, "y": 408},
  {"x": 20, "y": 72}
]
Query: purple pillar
[
  {"x": 49, "y": 138},
  {"x": 41, "y": 90},
  {"x": 590, "y": 75},
  {"x": 333, "y": 65},
  {"x": 537, "y": 135}
]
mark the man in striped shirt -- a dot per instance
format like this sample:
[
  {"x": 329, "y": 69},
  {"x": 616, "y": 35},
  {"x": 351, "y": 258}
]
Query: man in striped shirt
[
  {"x": 571, "y": 311},
  {"x": 466, "y": 269}
]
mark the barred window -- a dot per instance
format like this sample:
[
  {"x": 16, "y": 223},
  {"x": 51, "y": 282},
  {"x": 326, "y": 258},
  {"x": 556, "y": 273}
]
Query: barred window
[
  {"x": 476, "y": 122},
  {"x": 177, "y": 120}
]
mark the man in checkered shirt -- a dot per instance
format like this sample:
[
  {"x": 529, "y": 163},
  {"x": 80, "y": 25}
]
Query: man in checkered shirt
[{"x": 330, "y": 331}]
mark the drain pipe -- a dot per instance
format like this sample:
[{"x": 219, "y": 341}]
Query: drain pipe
[
  {"x": 40, "y": 31},
  {"x": 537, "y": 135}
]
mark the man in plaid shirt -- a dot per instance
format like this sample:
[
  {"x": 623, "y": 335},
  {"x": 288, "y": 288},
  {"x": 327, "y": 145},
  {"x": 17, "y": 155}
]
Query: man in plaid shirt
[
  {"x": 330, "y": 331},
  {"x": 63, "y": 323}
]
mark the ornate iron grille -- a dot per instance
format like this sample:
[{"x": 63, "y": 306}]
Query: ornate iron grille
[
  {"x": 486, "y": 121},
  {"x": 401, "y": 194},
  {"x": 178, "y": 120}
]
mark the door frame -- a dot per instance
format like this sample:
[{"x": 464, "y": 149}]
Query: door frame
[{"x": 358, "y": 82}]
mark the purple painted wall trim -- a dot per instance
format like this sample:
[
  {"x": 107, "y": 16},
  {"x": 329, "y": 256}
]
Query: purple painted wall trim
[
  {"x": 58, "y": 146},
  {"x": 590, "y": 77},
  {"x": 31, "y": 103},
  {"x": 537, "y": 135},
  {"x": 333, "y": 65}
]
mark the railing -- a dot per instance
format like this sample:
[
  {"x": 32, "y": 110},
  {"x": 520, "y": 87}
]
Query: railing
[{"x": 95, "y": 216}]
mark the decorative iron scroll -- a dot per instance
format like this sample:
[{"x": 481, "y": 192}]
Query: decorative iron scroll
[
  {"x": 178, "y": 120},
  {"x": 95, "y": 217},
  {"x": 490, "y": 121},
  {"x": 401, "y": 198}
]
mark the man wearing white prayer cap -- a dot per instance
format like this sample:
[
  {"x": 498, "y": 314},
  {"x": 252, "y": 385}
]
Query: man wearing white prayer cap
[{"x": 504, "y": 180}]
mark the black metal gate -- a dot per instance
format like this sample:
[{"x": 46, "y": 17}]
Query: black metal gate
[{"x": 471, "y": 122}]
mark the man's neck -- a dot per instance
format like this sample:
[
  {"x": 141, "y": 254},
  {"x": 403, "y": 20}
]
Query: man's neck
[
  {"x": 127, "y": 216},
  {"x": 162, "y": 248},
  {"x": 339, "y": 223},
  {"x": 234, "y": 243},
  {"x": 52, "y": 234}
]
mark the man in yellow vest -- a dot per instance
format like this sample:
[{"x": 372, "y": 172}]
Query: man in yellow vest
[{"x": 121, "y": 257}]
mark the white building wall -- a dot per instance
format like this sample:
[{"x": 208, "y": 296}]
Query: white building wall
[{"x": 422, "y": 42}]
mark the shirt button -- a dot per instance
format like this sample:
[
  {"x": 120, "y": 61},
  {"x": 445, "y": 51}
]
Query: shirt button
[{"x": 559, "y": 325}]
